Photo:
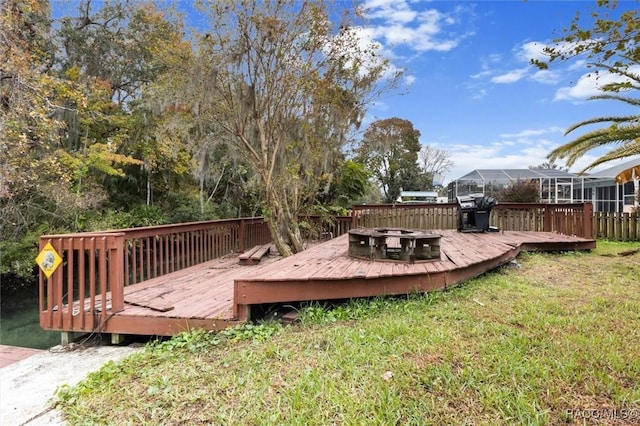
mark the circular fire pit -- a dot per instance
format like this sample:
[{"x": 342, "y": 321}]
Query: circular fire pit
[{"x": 395, "y": 244}]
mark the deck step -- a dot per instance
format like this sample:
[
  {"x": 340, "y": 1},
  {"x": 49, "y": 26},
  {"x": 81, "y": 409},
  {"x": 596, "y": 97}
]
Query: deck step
[{"x": 254, "y": 255}]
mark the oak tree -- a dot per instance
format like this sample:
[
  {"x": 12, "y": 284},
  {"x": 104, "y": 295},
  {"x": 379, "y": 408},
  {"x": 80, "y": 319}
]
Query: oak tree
[{"x": 389, "y": 148}]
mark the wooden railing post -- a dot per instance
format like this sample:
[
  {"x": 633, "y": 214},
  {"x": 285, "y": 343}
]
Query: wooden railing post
[
  {"x": 353, "y": 218},
  {"x": 115, "y": 246},
  {"x": 241, "y": 236},
  {"x": 547, "y": 224},
  {"x": 587, "y": 221}
]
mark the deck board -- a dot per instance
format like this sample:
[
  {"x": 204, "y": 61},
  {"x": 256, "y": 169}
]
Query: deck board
[{"x": 207, "y": 295}]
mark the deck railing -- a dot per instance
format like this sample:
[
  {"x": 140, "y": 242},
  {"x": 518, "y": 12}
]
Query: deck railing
[
  {"x": 88, "y": 286},
  {"x": 90, "y": 270},
  {"x": 570, "y": 219}
]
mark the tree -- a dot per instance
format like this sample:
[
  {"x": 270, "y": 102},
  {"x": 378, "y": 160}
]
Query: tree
[
  {"x": 112, "y": 53},
  {"x": 349, "y": 184},
  {"x": 611, "y": 47},
  {"x": 520, "y": 191},
  {"x": 434, "y": 163},
  {"x": 549, "y": 165},
  {"x": 30, "y": 174},
  {"x": 389, "y": 148},
  {"x": 287, "y": 86}
]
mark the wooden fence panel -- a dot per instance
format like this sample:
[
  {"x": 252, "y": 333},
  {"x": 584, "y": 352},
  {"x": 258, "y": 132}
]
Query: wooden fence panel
[
  {"x": 570, "y": 219},
  {"x": 617, "y": 226}
]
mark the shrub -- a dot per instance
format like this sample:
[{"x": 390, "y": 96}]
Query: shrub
[{"x": 520, "y": 191}]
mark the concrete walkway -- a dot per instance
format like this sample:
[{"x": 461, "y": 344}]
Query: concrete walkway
[{"x": 27, "y": 385}]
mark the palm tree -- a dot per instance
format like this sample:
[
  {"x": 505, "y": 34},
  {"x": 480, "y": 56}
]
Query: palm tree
[{"x": 624, "y": 131}]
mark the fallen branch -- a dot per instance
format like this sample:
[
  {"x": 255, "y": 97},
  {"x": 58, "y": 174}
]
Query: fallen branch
[{"x": 629, "y": 252}]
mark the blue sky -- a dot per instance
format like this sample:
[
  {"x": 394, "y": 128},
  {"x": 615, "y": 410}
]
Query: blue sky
[{"x": 473, "y": 92}]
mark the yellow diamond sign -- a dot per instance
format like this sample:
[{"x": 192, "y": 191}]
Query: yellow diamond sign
[{"x": 48, "y": 260}]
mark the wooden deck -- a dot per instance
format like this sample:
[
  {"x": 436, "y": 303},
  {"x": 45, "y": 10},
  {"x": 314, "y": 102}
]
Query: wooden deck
[{"x": 217, "y": 294}]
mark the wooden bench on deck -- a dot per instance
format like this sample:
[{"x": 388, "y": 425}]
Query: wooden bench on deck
[{"x": 254, "y": 255}]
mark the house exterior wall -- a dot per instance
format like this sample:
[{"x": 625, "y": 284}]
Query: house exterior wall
[{"x": 607, "y": 196}]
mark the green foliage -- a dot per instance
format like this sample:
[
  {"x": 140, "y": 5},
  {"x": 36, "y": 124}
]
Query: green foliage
[
  {"x": 389, "y": 149},
  {"x": 258, "y": 332},
  {"x": 190, "y": 341},
  {"x": 69, "y": 395},
  {"x": 18, "y": 257},
  {"x": 351, "y": 183},
  {"x": 355, "y": 309},
  {"x": 137, "y": 215},
  {"x": 114, "y": 117},
  {"x": 197, "y": 341},
  {"x": 184, "y": 207}
]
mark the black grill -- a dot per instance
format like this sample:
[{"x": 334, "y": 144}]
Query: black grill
[{"x": 474, "y": 211}]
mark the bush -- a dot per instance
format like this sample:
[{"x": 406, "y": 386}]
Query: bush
[
  {"x": 520, "y": 191},
  {"x": 140, "y": 215}
]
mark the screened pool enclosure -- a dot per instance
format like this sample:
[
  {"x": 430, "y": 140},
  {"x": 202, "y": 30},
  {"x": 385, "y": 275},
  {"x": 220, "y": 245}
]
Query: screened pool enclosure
[
  {"x": 555, "y": 186},
  {"x": 601, "y": 188}
]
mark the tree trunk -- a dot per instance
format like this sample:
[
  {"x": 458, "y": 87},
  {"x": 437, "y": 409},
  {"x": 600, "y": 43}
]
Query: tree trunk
[
  {"x": 283, "y": 224},
  {"x": 281, "y": 245}
]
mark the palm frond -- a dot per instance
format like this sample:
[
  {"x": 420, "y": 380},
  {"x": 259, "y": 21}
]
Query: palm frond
[
  {"x": 620, "y": 71},
  {"x": 614, "y": 119},
  {"x": 624, "y": 151},
  {"x": 630, "y": 101},
  {"x": 601, "y": 137}
]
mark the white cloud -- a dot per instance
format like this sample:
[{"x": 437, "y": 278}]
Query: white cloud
[
  {"x": 398, "y": 25},
  {"x": 481, "y": 74},
  {"x": 522, "y": 53},
  {"x": 520, "y": 150},
  {"x": 481, "y": 93},
  {"x": 511, "y": 76},
  {"x": 589, "y": 85},
  {"x": 394, "y": 11},
  {"x": 531, "y": 50},
  {"x": 546, "y": 77},
  {"x": 409, "y": 79},
  {"x": 579, "y": 65},
  {"x": 582, "y": 90},
  {"x": 525, "y": 134}
]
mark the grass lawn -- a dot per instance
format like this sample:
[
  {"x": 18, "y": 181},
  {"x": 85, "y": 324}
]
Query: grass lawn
[{"x": 554, "y": 339}]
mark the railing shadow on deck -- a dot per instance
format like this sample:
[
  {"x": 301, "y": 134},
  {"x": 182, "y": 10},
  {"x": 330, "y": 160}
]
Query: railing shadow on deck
[{"x": 88, "y": 287}]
